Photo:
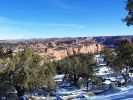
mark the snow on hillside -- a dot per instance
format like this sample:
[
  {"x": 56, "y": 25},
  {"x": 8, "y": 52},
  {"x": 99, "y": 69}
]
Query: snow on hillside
[
  {"x": 122, "y": 93},
  {"x": 65, "y": 92}
]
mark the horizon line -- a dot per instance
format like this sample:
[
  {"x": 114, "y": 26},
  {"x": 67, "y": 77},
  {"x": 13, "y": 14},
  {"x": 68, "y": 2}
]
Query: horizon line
[{"x": 62, "y": 37}]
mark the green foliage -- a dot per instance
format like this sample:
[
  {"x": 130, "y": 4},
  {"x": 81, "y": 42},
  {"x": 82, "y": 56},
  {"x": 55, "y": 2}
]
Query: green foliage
[
  {"x": 51, "y": 84},
  {"x": 1, "y": 51},
  {"x": 97, "y": 81},
  {"x": 122, "y": 59},
  {"x": 88, "y": 64},
  {"x": 125, "y": 52},
  {"x": 77, "y": 66},
  {"x": 49, "y": 72},
  {"x": 25, "y": 67},
  {"x": 27, "y": 71},
  {"x": 129, "y": 17},
  {"x": 106, "y": 54}
]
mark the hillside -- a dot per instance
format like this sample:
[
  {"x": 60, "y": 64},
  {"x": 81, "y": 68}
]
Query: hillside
[
  {"x": 111, "y": 41},
  {"x": 57, "y": 48}
]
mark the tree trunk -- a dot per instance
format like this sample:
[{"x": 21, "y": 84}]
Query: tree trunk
[
  {"x": 126, "y": 77},
  {"x": 20, "y": 91},
  {"x": 87, "y": 85},
  {"x": 75, "y": 80},
  {"x": 64, "y": 77}
]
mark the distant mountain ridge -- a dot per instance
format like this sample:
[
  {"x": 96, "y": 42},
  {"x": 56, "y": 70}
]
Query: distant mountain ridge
[
  {"x": 109, "y": 41},
  {"x": 59, "y": 48},
  {"x": 112, "y": 41}
]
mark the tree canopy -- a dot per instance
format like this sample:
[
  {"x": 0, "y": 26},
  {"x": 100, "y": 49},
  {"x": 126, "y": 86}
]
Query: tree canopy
[
  {"x": 129, "y": 17},
  {"x": 121, "y": 59},
  {"x": 26, "y": 71},
  {"x": 78, "y": 66}
]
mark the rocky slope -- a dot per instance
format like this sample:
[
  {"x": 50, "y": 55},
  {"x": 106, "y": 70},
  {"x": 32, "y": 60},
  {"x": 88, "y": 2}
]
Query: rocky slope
[
  {"x": 57, "y": 49},
  {"x": 60, "y": 52},
  {"x": 112, "y": 41}
]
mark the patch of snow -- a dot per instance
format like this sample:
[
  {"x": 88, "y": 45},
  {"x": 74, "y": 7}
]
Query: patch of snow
[
  {"x": 107, "y": 82},
  {"x": 122, "y": 93},
  {"x": 104, "y": 70}
]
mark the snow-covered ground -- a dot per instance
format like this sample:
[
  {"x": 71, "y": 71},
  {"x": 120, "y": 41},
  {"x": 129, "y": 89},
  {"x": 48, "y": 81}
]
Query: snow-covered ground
[
  {"x": 107, "y": 73},
  {"x": 121, "y": 93},
  {"x": 65, "y": 92},
  {"x": 68, "y": 92},
  {"x": 59, "y": 78}
]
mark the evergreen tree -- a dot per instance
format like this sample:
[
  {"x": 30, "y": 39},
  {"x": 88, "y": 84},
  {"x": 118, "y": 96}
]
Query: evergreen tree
[
  {"x": 78, "y": 66},
  {"x": 122, "y": 59},
  {"x": 88, "y": 72},
  {"x": 26, "y": 71},
  {"x": 129, "y": 17}
]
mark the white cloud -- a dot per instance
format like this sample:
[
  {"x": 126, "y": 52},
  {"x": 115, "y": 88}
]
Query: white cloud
[
  {"x": 61, "y": 4},
  {"x": 10, "y": 22},
  {"x": 14, "y": 29}
]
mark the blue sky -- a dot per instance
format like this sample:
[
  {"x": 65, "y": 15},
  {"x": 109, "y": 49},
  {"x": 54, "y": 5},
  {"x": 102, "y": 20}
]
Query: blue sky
[{"x": 22, "y": 19}]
